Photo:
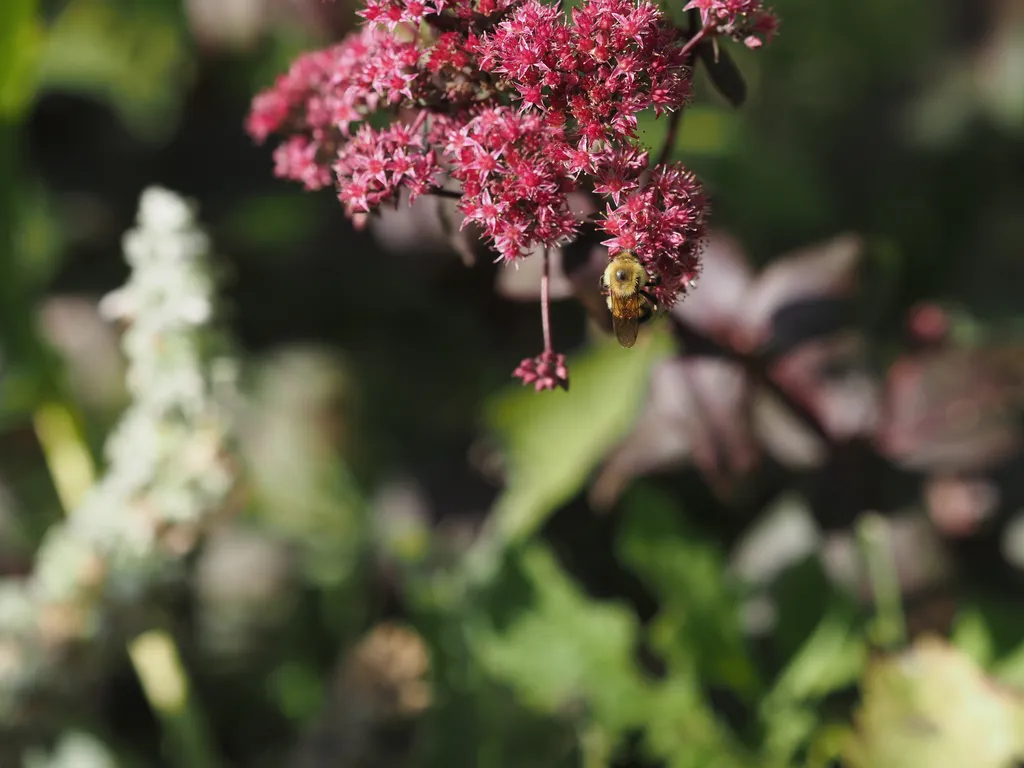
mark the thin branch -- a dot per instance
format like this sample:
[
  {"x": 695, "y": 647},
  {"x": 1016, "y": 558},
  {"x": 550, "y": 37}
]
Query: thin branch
[
  {"x": 449, "y": 193},
  {"x": 674, "y": 121},
  {"x": 693, "y": 41},
  {"x": 754, "y": 367},
  {"x": 545, "y": 301},
  {"x": 676, "y": 118}
]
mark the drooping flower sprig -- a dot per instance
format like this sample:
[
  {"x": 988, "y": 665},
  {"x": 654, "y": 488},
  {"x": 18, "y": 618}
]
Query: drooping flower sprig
[{"x": 510, "y": 106}]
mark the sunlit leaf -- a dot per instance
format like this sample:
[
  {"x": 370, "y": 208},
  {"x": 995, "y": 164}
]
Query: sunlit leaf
[
  {"x": 76, "y": 749},
  {"x": 566, "y": 650},
  {"x": 931, "y": 706},
  {"x": 20, "y": 43},
  {"x": 554, "y": 440}
]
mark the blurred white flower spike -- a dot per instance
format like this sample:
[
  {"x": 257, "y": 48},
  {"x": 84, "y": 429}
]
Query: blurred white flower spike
[
  {"x": 170, "y": 462},
  {"x": 168, "y": 254}
]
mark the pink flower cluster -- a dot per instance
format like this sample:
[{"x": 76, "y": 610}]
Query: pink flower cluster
[
  {"x": 326, "y": 93},
  {"x": 546, "y": 371},
  {"x": 747, "y": 21},
  {"x": 509, "y": 98},
  {"x": 595, "y": 75},
  {"x": 513, "y": 186},
  {"x": 511, "y": 105}
]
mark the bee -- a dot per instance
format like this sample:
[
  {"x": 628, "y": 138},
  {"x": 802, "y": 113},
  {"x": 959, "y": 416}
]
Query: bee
[{"x": 625, "y": 283}]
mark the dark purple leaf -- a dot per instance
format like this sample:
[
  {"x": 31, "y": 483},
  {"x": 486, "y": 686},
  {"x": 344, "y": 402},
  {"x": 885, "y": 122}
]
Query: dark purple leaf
[
  {"x": 723, "y": 72},
  {"x": 822, "y": 271},
  {"x": 950, "y": 410},
  {"x": 696, "y": 411},
  {"x": 830, "y": 378},
  {"x": 714, "y": 306}
]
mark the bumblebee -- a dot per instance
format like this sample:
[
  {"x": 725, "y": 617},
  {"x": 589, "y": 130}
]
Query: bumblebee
[{"x": 625, "y": 283}]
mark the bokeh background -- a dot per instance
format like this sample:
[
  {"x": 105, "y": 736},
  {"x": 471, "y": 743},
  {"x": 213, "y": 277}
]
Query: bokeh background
[{"x": 783, "y": 530}]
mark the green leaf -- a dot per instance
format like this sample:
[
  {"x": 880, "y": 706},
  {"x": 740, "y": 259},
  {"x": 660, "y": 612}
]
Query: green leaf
[
  {"x": 931, "y": 706},
  {"x": 565, "y": 649},
  {"x": 971, "y": 634},
  {"x": 565, "y": 654},
  {"x": 131, "y": 55},
  {"x": 684, "y": 732},
  {"x": 21, "y": 37},
  {"x": 700, "y": 610},
  {"x": 988, "y": 629},
  {"x": 832, "y": 658},
  {"x": 553, "y": 440}
]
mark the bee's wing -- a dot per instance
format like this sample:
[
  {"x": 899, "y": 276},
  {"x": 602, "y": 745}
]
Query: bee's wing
[
  {"x": 626, "y": 318},
  {"x": 626, "y": 330}
]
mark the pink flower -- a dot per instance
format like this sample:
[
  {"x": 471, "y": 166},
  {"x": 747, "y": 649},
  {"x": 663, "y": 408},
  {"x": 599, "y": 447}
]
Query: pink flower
[
  {"x": 373, "y": 166},
  {"x": 324, "y": 94},
  {"x": 594, "y": 75},
  {"x": 513, "y": 185},
  {"x": 299, "y": 159},
  {"x": 546, "y": 371},
  {"x": 744, "y": 20}
]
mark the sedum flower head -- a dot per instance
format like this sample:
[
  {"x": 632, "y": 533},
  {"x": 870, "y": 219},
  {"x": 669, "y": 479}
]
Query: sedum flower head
[
  {"x": 511, "y": 106},
  {"x": 518, "y": 103}
]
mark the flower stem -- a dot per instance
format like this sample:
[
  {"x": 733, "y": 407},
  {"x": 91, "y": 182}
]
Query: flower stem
[
  {"x": 166, "y": 686},
  {"x": 58, "y": 429},
  {"x": 889, "y": 628},
  {"x": 692, "y": 42},
  {"x": 674, "y": 121},
  {"x": 449, "y": 193},
  {"x": 676, "y": 118},
  {"x": 545, "y": 301}
]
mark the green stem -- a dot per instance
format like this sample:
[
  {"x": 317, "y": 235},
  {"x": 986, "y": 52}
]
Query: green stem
[
  {"x": 166, "y": 685},
  {"x": 889, "y": 628}
]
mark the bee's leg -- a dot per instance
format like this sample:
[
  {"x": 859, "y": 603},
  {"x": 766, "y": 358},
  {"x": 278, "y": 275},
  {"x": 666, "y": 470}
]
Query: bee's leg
[
  {"x": 653, "y": 280},
  {"x": 648, "y": 307}
]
